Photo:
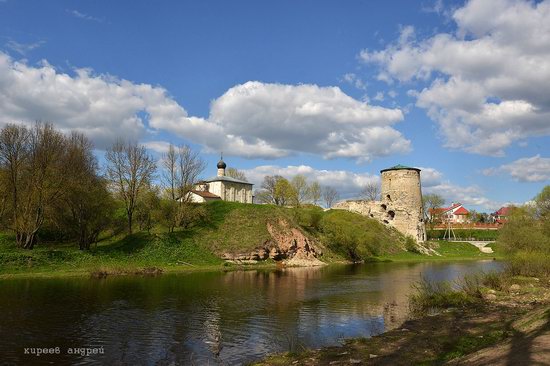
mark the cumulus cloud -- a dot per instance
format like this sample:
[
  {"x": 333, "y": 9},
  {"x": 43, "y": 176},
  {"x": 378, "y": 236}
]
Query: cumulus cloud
[
  {"x": 488, "y": 83},
  {"x": 273, "y": 120},
  {"x": 433, "y": 181},
  {"x": 533, "y": 169},
  {"x": 255, "y": 119}
]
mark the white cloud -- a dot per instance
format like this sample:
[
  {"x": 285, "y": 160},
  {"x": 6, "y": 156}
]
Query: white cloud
[
  {"x": 102, "y": 107},
  {"x": 433, "y": 181},
  {"x": 274, "y": 120},
  {"x": 533, "y": 169},
  {"x": 255, "y": 120},
  {"x": 356, "y": 81},
  {"x": 489, "y": 82},
  {"x": 23, "y": 48},
  {"x": 379, "y": 97},
  {"x": 160, "y": 147},
  {"x": 80, "y": 15}
]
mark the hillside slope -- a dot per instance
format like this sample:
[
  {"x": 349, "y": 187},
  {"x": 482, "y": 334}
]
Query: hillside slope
[{"x": 231, "y": 233}]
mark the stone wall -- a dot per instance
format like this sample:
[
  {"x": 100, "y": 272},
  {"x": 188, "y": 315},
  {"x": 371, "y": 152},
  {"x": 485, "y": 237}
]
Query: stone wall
[{"x": 400, "y": 205}]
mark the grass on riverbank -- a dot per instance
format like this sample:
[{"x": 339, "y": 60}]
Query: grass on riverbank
[
  {"x": 229, "y": 228},
  {"x": 455, "y": 251}
]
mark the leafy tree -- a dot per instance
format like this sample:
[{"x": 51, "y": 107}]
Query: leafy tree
[
  {"x": 315, "y": 192},
  {"x": 542, "y": 202},
  {"x": 235, "y": 173},
  {"x": 147, "y": 204},
  {"x": 86, "y": 207},
  {"x": 300, "y": 189},
  {"x": 166, "y": 214},
  {"x": 276, "y": 190},
  {"x": 35, "y": 165},
  {"x": 284, "y": 192}
]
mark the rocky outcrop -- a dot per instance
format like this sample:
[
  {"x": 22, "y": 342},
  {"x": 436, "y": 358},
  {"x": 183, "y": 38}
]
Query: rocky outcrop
[{"x": 287, "y": 244}]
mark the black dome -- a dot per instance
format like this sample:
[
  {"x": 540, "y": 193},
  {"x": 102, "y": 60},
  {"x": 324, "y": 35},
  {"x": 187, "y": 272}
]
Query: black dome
[{"x": 221, "y": 164}]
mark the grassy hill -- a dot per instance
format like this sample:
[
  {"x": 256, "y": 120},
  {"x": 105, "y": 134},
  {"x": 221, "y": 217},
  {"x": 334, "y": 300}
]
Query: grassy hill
[{"x": 228, "y": 228}]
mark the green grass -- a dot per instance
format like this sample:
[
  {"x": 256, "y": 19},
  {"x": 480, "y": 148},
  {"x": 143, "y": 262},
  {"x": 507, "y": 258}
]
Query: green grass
[
  {"x": 230, "y": 228},
  {"x": 448, "y": 251}
]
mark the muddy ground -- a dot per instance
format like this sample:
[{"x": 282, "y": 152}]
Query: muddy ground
[{"x": 509, "y": 327}]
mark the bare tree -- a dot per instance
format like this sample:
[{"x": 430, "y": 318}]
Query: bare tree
[
  {"x": 301, "y": 189},
  {"x": 189, "y": 166},
  {"x": 370, "y": 191},
  {"x": 432, "y": 202},
  {"x": 35, "y": 162},
  {"x": 315, "y": 192},
  {"x": 330, "y": 196},
  {"x": 170, "y": 171},
  {"x": 130, "y": 169},
  {"x": 267, "y": 194},
  {"x": 235, "y": 173}
]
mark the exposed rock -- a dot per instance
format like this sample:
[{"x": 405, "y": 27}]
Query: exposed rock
[
  {"x": 287, "y": 244},
  {"x": 515, "y": 287},
  {"x": 491, "y": 297}
]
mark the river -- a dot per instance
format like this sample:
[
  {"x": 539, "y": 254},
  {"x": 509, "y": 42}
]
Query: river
[{"x": 206, "y": 318}]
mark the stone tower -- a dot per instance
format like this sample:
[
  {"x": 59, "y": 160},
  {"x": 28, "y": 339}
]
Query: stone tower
[{"x": 401, "y": 199}]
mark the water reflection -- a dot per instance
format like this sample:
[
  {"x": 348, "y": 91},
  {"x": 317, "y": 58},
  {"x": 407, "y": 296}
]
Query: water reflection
[{"x": 200, "y": 318}]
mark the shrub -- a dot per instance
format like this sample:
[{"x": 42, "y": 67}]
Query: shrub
[{"x": 430, "y": 295}]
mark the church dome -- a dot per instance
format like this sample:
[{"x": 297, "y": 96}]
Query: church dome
[{"x": 221, "y": 164}]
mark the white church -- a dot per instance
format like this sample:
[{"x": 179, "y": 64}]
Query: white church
[{"x": 222, "y": 187}]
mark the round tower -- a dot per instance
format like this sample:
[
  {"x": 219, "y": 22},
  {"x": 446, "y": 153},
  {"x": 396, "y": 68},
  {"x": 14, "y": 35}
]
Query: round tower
[{"x": 401, "y": 199}]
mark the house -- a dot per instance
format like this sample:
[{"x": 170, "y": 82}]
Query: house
[
  {"x": 501, "y": 215},
  {"x": 202, "y": 196},
  {"x": 456, "y": 214},
  {"x": 222, "y": 187}
]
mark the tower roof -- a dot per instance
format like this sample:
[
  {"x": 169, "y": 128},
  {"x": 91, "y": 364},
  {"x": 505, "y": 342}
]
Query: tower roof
[
  {"x": 221, "y": 163},
  {"x": 399, "y": 167}
]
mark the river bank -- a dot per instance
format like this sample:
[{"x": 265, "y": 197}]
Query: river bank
[
  {"x": 143, "y": 254},
  {"x": 509, "y": 325}
]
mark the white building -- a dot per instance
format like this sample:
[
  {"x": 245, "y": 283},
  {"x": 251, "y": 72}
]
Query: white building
[{"x": 222, "y": 187}]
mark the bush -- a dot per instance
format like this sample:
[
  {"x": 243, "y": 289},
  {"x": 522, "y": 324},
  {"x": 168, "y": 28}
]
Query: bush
[
  {"x": 431, "y": 295},
  {"x": 534, "y": 263},
  {"x": 357, "y": 237}
]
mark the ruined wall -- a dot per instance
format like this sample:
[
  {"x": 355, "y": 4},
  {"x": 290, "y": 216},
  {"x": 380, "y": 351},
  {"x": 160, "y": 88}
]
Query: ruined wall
[
  {"x": 400, "y": 205},
  {"x": 402, "y": 195}
]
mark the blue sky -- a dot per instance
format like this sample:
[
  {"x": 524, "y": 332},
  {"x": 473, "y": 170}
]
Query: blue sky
[{"x": 335, "y": 90}]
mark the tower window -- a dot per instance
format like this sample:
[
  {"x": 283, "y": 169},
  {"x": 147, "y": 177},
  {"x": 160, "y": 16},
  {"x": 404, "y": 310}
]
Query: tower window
[
  {"x": 384, "y": 207},
  {"x": 391, "y": 214}
]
